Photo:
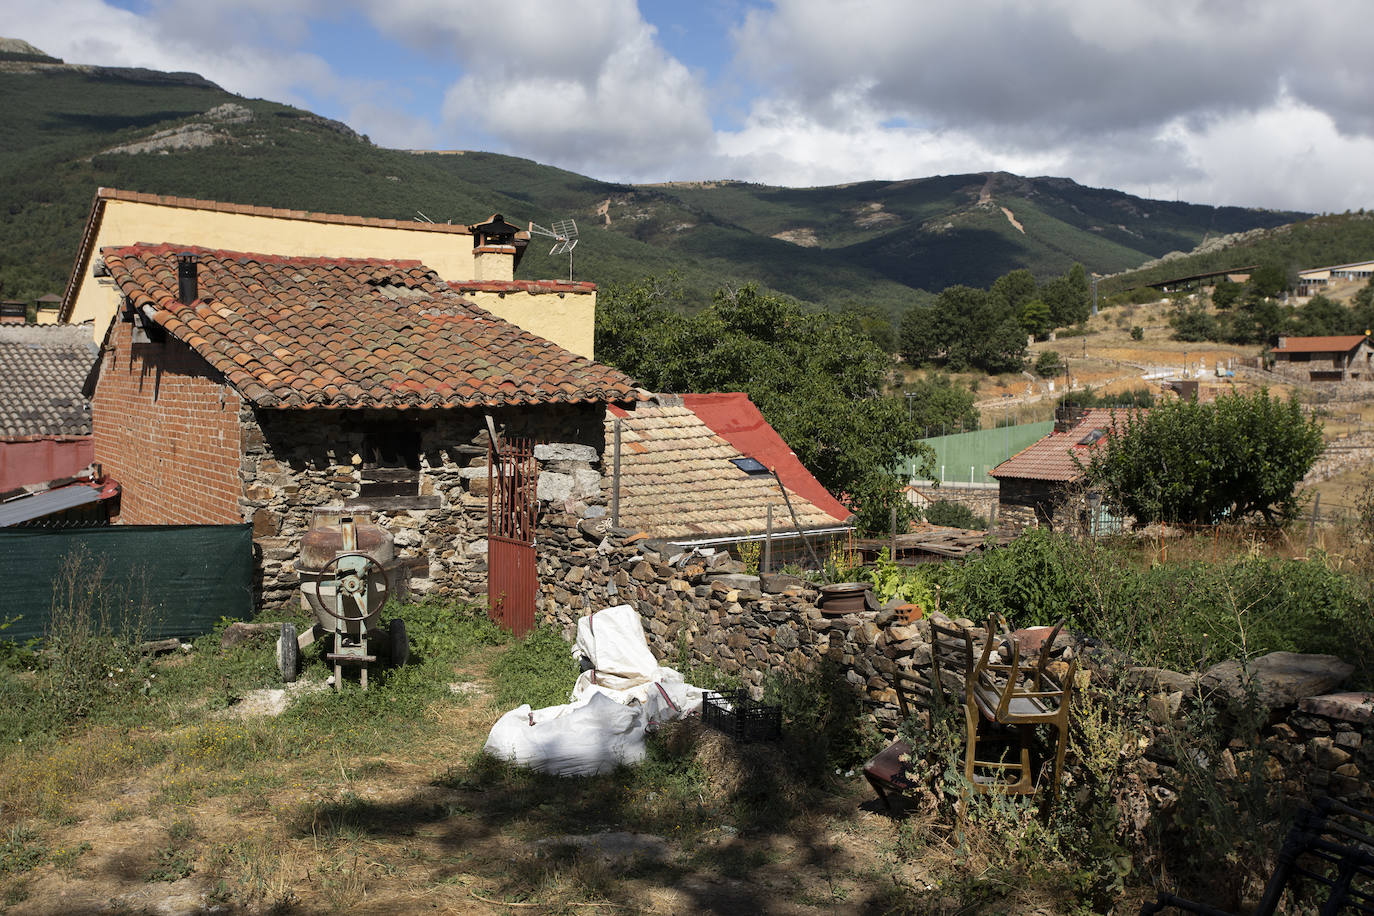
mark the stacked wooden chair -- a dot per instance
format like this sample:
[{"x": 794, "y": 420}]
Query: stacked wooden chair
[
  {"x": 1003, "y": 702},
  {"x": 1010, "y": 695}
]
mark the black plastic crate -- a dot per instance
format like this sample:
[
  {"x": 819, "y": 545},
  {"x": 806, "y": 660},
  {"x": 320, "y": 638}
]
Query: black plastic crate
[{"x": 736, "y": 714}]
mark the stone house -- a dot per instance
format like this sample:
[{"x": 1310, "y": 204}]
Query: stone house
[
  {"x": 1346, "y": 358},
  {"x": 696, "y": 470},
  {"x": 1038, "y": 485},
  {"x": 234, "y": 387}
]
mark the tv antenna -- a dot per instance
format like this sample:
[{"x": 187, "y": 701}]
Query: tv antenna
[{"x": 564, "y": 235}]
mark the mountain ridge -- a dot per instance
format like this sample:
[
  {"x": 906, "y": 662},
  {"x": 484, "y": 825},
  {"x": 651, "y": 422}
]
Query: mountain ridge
[{"x": 881, "y": 243}]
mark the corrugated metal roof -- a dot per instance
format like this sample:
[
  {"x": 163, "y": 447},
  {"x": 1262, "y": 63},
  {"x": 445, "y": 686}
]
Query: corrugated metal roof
[{"x": 47, "y": 502}]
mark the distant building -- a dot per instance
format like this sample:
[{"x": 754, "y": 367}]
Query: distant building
[
  {"x": 1325, "y": 359},
  {"x": 1038, "y": 482},
  {"x": 1317, "y": 279}
]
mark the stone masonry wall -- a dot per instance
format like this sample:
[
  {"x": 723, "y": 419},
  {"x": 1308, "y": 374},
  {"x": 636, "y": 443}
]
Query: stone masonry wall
[
  {"x": 296, "y": 461},
  {"x": 707, "y": 610}
]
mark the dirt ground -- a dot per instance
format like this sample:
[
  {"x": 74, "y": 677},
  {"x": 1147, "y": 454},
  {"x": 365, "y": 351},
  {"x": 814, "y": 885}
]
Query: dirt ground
[{"x": 416, "y": 829}]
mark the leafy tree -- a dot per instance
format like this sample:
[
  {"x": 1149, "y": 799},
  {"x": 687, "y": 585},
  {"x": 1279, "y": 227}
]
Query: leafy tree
[
  {"x": 1320, "y": 317},
  {"x": 937, "y": 400},
  {"x": 922, "y": 336},
  {"x": 1035, "y": 318},
  {"x": 1013, "y": 290},
  {"x": 1048, "y": 364},
  {"x": 816, "y": 377},
  {"x": 1194, "y": 323},
  {"x": 1237, "y": 457},
  {"x": 873, "y": 322},
  {"x": 1269, "y": 279},
  {"x": 1226, "y": 293},
  {"x": 1069, "y": 297}
]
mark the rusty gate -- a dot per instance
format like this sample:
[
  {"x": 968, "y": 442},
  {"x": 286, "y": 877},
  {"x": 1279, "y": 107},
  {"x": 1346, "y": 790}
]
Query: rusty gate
[{"x": 512, "y": 578}]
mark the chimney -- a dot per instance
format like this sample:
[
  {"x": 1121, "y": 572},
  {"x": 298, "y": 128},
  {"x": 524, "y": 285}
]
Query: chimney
[
  {"x": 188, "y": 280},
  {"x": 494, "y": 248},
  {"x": 1283, "y": 344}
]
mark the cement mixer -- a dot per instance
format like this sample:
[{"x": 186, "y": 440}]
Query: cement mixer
[{"x": 345, "y": 582}]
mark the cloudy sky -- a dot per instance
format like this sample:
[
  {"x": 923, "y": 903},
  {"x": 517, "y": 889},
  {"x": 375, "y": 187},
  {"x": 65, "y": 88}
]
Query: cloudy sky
[{"x": 1249, "y": 102}]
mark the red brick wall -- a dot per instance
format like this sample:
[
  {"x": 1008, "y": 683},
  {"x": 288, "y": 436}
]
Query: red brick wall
[{"x": 167, "y": 429}]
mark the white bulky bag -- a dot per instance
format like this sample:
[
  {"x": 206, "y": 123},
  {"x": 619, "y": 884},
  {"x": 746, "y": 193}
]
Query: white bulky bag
[
  {"x": 579, "y": 739},
  {"x": 624, "y": 693}
]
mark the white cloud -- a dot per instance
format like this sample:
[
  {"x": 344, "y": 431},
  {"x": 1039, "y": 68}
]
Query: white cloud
[
  {"x": 1219, "y": 102},
  {"x": 583, "y": 85}
]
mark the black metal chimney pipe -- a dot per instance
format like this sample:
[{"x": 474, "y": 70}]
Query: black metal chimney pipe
[{"x": 188, "y": 280}]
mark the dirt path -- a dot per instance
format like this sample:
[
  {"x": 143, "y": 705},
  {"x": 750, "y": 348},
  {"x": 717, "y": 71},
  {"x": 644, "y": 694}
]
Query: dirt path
[{"x": 244, "y": 814}]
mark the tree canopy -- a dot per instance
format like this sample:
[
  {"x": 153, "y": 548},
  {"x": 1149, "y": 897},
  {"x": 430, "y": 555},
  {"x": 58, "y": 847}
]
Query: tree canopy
[
  {"x": 1184, "y": 462},
  {"x": 986, "y": 329},
  {"x": 818, "y": 378}
]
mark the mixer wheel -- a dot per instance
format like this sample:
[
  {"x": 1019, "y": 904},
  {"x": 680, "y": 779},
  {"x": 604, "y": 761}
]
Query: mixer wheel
[
  {"x": 288, "y": 653},
  {"x": 400, "y": 645}
]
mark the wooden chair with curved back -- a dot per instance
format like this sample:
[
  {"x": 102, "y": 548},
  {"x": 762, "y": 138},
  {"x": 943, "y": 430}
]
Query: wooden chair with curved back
[{"x": 1010, "y": 694}]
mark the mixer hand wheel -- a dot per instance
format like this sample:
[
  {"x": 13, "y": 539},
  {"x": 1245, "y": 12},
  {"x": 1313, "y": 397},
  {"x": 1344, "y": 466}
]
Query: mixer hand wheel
[{"x": 352, "y": 582}]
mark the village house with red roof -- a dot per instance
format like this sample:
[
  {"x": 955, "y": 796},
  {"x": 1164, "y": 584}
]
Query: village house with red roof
[
  {"x": 239, "y": 387},
  {"x": 1345, "y": 358},
  {"x": 706, "y": 470},
  {"x": 1038, "y": 485}
]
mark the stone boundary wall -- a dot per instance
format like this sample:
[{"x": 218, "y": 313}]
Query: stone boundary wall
[{"x": 706, "y": 611}]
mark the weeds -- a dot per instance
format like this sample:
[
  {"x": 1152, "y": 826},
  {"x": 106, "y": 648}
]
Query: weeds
[
  {"x": 21, "y": 850},
  {"x": 538, "y": 670}
]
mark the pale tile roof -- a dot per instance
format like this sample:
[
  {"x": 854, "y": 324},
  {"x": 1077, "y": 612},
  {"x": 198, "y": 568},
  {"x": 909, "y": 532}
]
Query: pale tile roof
[{"x": 677, "y": 481}]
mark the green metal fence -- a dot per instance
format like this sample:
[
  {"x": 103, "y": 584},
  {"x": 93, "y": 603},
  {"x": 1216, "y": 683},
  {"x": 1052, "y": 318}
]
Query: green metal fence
[
  {"x": 967, "y": 457},
  {"x": 177, "y": 579}
]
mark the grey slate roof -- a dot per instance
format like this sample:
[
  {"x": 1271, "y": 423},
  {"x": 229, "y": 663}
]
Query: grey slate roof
[{"x": 42, "y": 369}]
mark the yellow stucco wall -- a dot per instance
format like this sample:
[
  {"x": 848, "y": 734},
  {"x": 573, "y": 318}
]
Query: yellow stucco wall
[
  {"x": 567, "y": 319},
  {"x": 125, "y": 223}
]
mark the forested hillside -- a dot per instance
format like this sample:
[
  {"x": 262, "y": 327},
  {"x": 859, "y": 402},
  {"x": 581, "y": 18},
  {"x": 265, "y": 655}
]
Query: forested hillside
[{"x": 71, "y": 129}]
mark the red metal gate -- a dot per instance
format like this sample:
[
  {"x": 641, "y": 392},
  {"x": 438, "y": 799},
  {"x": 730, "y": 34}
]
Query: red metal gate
[{"x": 512, "y": 579}]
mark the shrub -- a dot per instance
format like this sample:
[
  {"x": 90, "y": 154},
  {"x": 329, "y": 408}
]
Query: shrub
[
  {"x": 955, "y": 515},
  {"x": 1137, "y": 333},
  {"x": 1048, "y": 364}
]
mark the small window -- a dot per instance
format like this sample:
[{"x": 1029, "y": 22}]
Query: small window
[
  {"x": 751, "y": 466},
  {"x": 1092, "y": 437},
  {"x": 391, "y": 461}
]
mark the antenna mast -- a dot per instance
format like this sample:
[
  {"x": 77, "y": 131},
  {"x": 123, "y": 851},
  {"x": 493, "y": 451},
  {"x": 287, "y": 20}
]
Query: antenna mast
[{"x": 564, "y": 235}]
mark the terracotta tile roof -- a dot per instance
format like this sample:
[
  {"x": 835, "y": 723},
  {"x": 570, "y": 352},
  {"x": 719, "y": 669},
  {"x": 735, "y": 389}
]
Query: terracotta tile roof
[
  {"x": 676, "y": 480},
  {"x": 1340, "y": 344},
  {"x": 737, "y": 420},
  {"x": 523, "y": 286},
  {"x": 346, "y": 333},
  {"x": 42, "y": 369},
  {"x": 102, "y": 195},
  {"x": 1052, "y": 458}
]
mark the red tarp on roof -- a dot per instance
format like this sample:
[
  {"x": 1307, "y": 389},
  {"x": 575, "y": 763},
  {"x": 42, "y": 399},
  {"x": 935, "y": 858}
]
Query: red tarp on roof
[{"x": 733, "y": 417}]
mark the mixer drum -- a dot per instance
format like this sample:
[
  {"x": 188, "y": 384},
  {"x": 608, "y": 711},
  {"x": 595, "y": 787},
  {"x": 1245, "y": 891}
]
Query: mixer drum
[{"x": 322, "y": 570}]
